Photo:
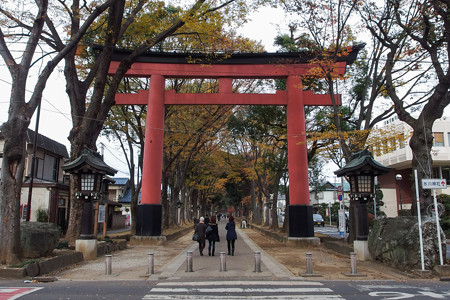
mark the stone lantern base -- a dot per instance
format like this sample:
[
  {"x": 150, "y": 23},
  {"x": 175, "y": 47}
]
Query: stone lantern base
[
  {"x": 88, "y": 248},
  {"x": 362, "y": 250}
]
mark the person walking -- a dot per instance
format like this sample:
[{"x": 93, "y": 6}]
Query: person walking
[
  {"x": 212, "y": 235},
  {"x": 231, "y": 235},
  {"x": 201, "y": 231}
]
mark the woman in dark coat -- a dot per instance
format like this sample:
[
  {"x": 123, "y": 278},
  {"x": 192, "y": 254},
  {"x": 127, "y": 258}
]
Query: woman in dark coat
[
  {"x": 201, "y": 230},
  {"x": 231, "y": 235},
  {"x": 212, "y": 236}
]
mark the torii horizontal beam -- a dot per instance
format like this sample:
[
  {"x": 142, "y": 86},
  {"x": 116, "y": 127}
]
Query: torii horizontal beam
[
  {"x": 172, "y": 98},
  {"x": 273, "y": 71}
]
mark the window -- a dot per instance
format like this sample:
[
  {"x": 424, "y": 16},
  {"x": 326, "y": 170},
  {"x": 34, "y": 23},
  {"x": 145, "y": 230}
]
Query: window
[
  {"x": 402, "y": 141},
  {"x": 47, "y": 168},
  {"x": 438, "y": 139}
]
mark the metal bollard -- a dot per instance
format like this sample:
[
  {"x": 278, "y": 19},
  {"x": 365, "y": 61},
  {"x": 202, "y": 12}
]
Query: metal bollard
[
  {"x": 257, "y": 261},
  {"x": 151, "y": 263},
  {"x": 309, "y": 270},
  {"x": 223, "y": 262},
  {"x": 353, "y": 263},
  {"x": 189, "y": 261},
  {"x": 108, "y": 264}
]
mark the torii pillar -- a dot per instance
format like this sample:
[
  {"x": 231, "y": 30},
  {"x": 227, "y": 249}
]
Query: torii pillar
[
  {"x": 289, "y": 66},
  {"x": 300, "y": 214},
  {"x": 149, "y": 213}
]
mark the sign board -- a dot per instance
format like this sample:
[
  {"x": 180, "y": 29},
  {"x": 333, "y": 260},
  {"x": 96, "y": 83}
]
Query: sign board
[
  {"x": 341, "y": 222},
  {"x": 101, "y": 214},
  {"x": 434, "y": 183},
  {"x": 340, "y": 197},
  {"x": 340, "y": 189}
]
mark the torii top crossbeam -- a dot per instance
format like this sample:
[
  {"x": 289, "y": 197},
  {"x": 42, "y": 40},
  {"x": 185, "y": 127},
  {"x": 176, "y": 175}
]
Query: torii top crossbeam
[{"x": 226, "y": 67}]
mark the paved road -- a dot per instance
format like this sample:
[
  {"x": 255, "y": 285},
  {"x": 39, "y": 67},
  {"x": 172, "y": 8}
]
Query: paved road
[
  {"x": 236, "y": 288},
  {"x": 330, "y": 230},
  {"x": 240, "y": 281}
]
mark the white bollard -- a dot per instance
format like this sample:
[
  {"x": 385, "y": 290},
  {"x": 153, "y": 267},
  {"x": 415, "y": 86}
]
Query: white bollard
[
  {"x": 309, "y": 270},
  {"x": 108, "y": 264},
  {"x": 151, "y": 263},
  {"x": 189, "y": 261},
  {"x": 353, "y": 263},
  {"x": 223, "y": 262},
  {"x": 257, "y": 261}
]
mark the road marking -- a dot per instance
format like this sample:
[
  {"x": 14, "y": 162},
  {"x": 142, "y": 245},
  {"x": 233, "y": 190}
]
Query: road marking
[
  {"x": 241, "y": 290},
  {"x": 280, "y": 290},
  {"x": 11, "y": 293},
  {"x": 209, "y": 297},
  {"x": 234, "y": 283}
]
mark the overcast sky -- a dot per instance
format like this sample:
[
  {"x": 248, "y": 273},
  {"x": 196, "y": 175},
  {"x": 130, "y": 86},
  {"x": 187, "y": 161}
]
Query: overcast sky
[{"x": 55, "y": 120}]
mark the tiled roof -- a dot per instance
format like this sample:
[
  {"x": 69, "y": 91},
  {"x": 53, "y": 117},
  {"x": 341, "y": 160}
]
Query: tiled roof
[
  {"x": 90, "y": 158},
  {"x": 48, "y": 144},
  {"x": 120, "y": 181},
  {"x": 126, "y": 198}
]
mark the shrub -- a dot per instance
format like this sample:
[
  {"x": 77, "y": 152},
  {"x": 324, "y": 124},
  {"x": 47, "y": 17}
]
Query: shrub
[
  {"x": 62, "y": 245},
  {"x": 41, "y": 215}
]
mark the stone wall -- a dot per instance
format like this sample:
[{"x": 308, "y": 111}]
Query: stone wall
[{"x": 395, "y": 241}]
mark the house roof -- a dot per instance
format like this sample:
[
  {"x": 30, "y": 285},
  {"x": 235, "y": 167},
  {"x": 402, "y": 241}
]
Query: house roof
[
  {"x": 332, "y": 186},
  {"x": 126, "y": 198},
  {"x": 120, "y": 181},
  {"x": 46, "y": 143},
  {"x": 89, "y": 158}
]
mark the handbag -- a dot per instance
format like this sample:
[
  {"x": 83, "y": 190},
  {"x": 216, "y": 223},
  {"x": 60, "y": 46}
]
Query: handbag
[
  {"x": 208, "y": 229},
  {"x": 195, "y": 237}
]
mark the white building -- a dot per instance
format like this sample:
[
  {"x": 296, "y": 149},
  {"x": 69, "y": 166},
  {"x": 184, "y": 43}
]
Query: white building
[{"x": 400, "y": 194}]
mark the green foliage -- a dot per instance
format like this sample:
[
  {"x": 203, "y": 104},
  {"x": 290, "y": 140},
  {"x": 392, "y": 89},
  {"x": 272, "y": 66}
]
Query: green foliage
[
  {"x": 62, "y": 245},
  {"x": 41, "y": 215},
  {"x": 445, "y": 218},
  {"x": 24, "y": 263}
]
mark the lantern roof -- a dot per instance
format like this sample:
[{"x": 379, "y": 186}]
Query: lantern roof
[
  {"x": 89, "y": 160},
  {"x": 362, "y": 163}
]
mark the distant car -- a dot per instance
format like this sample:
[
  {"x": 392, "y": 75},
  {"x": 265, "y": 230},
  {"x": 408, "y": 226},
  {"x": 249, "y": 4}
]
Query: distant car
[{"x": 318, "y": 220}]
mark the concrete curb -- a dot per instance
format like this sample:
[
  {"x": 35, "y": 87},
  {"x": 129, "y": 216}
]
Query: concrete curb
[
  {"x": 69, "y": 257},
  {"x": 44, "y": 267}
]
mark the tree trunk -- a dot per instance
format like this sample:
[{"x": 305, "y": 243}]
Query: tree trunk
[
  {"x": 14, "y": 153},
  {"x": 421, "y": 143},
  {"x": 274, "y": 209}
]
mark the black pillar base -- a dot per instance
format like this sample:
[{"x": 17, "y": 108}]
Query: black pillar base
[
  {"x": 148, "y": 222},
  {"x": 362, "y": 230},
  {"x": 87, "y": 221},
  {"x": 300, "y": 221}
]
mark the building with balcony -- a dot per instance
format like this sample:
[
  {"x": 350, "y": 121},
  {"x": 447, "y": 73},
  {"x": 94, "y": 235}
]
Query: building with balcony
[{"x": 398, "y": 185}]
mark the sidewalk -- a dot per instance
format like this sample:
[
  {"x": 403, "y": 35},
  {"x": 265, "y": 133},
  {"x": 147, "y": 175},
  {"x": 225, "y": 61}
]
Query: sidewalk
[
  {"x": 170, "y": 262},
  {"x": 279, "y": 261}
]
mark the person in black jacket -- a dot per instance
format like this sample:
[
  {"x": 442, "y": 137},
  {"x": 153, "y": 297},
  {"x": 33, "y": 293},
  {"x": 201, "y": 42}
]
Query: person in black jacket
[
  {"x": 212, "y": 235},
  {"x": 231, "y": 235},
  {"x": 201, "y": 230}
]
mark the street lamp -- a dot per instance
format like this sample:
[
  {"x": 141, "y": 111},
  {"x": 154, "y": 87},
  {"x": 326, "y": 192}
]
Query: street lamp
[
  {"x": 398, "y": 178},
  {"x": 361, "y": 170},
  {"x": 89, "y": 168}
]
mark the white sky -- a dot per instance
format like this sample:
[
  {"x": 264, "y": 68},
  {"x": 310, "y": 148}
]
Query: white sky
[{"x": 55, "y": 121}]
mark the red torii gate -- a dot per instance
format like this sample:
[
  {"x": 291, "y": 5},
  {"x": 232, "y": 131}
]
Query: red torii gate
[{"x": 290, "y": 66}]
